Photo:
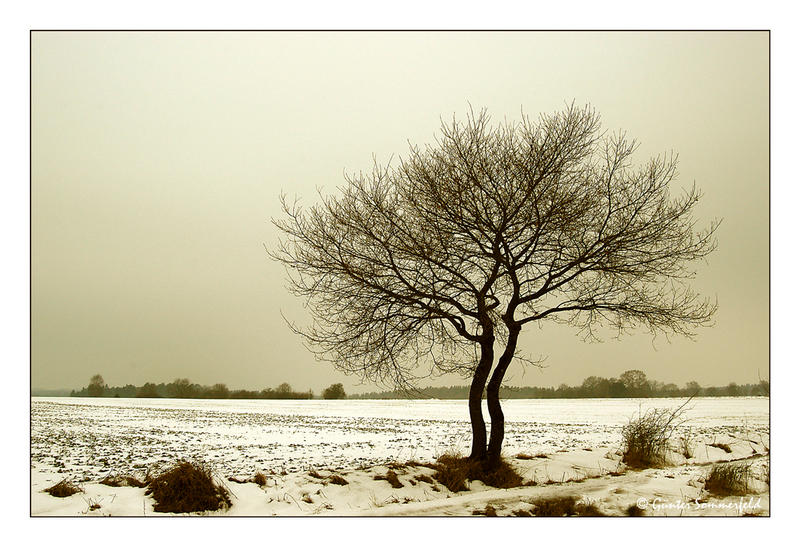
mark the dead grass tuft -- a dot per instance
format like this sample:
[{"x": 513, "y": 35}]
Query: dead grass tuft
[
  {"x": 260, "y": 479},
  {"x": 729, "y": 479},
  {"x": 753, "y": 514},
  {"x": 487, "y": 511},
  {"x": 315, "y": 474},
  {"x": 417, "y": 463},
  {"x": 187, "y": 487},
  {"x": 122, "y": 480},
  {"x": 63, "y": 489},
  {"x": 391, "y": 478},
  {"x": 338, "y": 479},
  {"x": 564, "y": 506},
  {"x": 526, "y": 456},
  {"x": 685, "y": 446},
  {"x": 454, "y": 471},
  {"x": 635, "y": 511}
]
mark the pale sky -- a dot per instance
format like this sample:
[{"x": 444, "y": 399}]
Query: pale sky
[{"x": 158, "y": 159}]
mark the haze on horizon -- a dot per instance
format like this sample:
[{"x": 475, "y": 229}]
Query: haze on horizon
[{"x": 158, "y": 159}]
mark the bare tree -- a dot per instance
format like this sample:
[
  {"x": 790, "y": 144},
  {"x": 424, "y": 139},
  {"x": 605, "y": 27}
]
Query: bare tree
[{"x": 438, "y": 260}]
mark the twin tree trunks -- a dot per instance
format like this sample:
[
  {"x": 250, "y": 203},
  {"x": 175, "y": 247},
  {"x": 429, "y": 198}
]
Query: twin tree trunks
[
  {"x": 442, "y": 260},
  {"x": 491, "y": 454}
]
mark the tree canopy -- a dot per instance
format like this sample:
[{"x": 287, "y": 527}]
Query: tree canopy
[
  {"x": 96, "y": 386},
  {"x": 428, "y": 265},
  {"x": 334, "y": 391}
]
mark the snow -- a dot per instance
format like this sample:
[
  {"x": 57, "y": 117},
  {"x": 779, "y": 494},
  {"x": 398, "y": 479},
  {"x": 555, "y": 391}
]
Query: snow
[{"x": 84, "y": 440}]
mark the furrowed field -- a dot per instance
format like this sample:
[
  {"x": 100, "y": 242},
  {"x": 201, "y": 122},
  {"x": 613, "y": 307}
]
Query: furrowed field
[{"x": 88, "y": 438}]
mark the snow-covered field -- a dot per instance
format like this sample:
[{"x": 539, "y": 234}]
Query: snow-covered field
[{"x": 84, "y": 440}]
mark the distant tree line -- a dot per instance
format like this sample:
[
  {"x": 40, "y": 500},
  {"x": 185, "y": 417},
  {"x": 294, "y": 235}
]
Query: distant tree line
[
  {"x": 632, "y": 383},
  {"x": 183, "y": 388}
]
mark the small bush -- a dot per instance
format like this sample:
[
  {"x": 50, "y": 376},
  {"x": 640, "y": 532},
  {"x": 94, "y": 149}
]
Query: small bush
[
  {"x": 564, "y": 506},
  {"x": 454, "y": 471},
  {"x": 63, "y": 489},
  {"x": 313, "y": 473},
  {"x": 424, "y": 478},
  {"x": 338, "y": 479},
  {"x": 187, "y": 487},
  {"x": 646, "y": 439},
  {"x": 122, "y": 480},
  {"x": 260, "y": 479},
  {"x": 391, "y": 477},
  {"x": 728, "y": 479}
]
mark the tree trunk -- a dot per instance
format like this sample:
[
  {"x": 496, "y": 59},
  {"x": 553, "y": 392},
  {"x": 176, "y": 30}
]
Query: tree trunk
[
  {"x": 493, "y": 400},
  {"x": 475, "y": 400}
]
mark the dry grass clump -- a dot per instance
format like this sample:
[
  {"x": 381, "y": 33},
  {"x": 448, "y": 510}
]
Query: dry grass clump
[
  {"x": 187, "y": 487},
  {"x": 526, "y": 456},
  {"x": 417, "y": 463},
  {"x": 117, "y": 480},
  {"x": 259, "y": 478},
  {"x": 685, "y": 446},
  {"x": 646, "y": 439},
  {"x": 391, "y": 477},
  {"x": 754, "y": 514},
  {"x": 564, "y": 506},
  {"x": 487, "y": 511},
  {"x": 454, "y": 471},
  {"x": 722, "y": 446},
  {"x": 63, "y": 489},
  {"x": 338, "y": 479},
  {"x": 729, "y": 479},
  {"x": 635, "y": 511}
]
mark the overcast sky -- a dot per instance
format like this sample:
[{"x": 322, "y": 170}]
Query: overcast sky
[{"x": 158, "y": 159}]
